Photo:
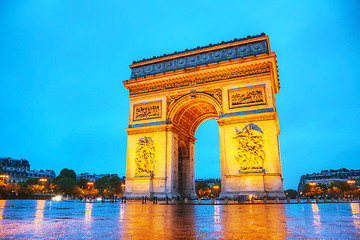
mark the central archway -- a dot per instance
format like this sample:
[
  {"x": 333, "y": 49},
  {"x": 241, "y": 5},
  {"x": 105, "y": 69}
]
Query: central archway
[{"x": 186, "y": 114}]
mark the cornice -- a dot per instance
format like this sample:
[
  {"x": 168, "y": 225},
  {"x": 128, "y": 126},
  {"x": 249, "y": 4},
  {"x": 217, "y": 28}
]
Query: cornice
[
  {"x": 198, "y": 49},
  {"x": 247, "y": 118},
  {"x": 226, "y": 52},
  {"x": 198, "y": 78}
]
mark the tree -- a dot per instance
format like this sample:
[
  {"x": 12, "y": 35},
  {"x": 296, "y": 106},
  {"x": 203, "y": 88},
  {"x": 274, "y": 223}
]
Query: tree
[
  {"x": 291, "y": 193},
  {"x": 66, "y": 185},
  {"x": 82, "y": 183},
  {"x": 115, "y": 185},
  {"x": 102, "y": 183},
  {"x": 67, "y": 173},
  {"x": 66, "y": 181},
  {"x": 201, "y": 185},
  {"x": 216, "y": 189}
]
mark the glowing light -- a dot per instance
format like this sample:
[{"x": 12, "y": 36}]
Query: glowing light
[
  {"x": 43, "y": 180},
  {"x": 98, "y": 199},
  {"x": 57, "y": 198},
  {"x": 312, "y": 183},
  {"x": 40, "y": 206},
  {"x": 217, "y": 222},
  {"x": 2, "y": 207},
  {"x": 88, "y": 211},
  {"x": 355, "y": 209},
  {"x": 351, "y": 181},
  {"x": 316, "y": 215}
]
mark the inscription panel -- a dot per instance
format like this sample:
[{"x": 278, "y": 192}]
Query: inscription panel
[
  {"x": 144, "y": 111},
  {"x": 246, "y": 97}
]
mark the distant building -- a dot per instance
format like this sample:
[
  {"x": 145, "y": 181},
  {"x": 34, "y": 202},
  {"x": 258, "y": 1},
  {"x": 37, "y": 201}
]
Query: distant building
[
  {"x": 210, "y": 181},
  {"x": 93, "y": 177},
  {"x": 19, "y": 170},
  {"x": 328, "y": 176}
]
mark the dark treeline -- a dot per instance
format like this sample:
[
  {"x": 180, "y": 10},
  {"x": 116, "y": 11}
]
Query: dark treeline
[{"x": 64, "y": 184}]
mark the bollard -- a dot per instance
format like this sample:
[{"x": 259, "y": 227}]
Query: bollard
[
  {"x": 239, "y": 199},
  {"x": 156, "y": 200},
  {"x": 125, "y": 199},
  {"x": 199, "y": 200},
  {"x": 186, "y": 200},
  {"x": 287, "y": 200},
  {"x": 142, "y": 199},
  {"x": 298, "y": 199},
  {"x": 226, "y": 200},
  {"x": 122, "y": 199},
  {"x": 308, "y": 199},
  {"x": 145, "y": 199},
  {"x": 167, "y": 200},
  {"x": 264, "y": 199},
  {"x": 332, "y": 199},
  {"x": 212, "y": 200},
  {"x": 317, "y": 199},
  {"x": 325, "y": 199},
  {"x": 252, "y": 199}
]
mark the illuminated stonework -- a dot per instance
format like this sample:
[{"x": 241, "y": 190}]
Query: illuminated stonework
[
  {"x": 250, "y": 155},
  {"x": 245, "y": 97},
  {"x": 147, "y": 110},
  {"x": 171, "y": 96},
  {"x": 145, "y": 157}
]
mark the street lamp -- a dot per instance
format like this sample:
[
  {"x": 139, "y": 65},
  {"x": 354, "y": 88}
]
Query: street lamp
[
  {"x": 312, "y": 183},
  {"x": 350, "y": 181},
  {"x": 43, "y": 180},
  {"x": 3, "y": 176}
]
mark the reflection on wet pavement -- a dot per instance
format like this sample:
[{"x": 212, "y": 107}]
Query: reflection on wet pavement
[{"x": 27, "y": 219}]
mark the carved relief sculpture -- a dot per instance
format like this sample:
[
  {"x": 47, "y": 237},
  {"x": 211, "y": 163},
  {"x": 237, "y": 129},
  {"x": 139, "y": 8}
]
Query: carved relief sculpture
[
  {"x": 147, "y": 110},
  {"x": 215, "y": 93},
  {"x": 145, "y": 157},
  {"x": 244, "y": 97},
  {"x": 250, "y": 155}
]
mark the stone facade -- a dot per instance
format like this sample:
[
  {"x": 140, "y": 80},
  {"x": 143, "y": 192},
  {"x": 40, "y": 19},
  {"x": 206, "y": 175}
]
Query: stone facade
[
  {"x": 327, "y": 177},
  {"x": 167, "y": 106},
  {"x": 19, "y": 170}
]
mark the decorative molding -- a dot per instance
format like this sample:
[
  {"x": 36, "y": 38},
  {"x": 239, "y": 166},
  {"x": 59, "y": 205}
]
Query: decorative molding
[
  {"x": 250, "y": 153},
  {"x": 194, "y": 79},
  {"x": 247, "y": 118},
  {"x": 246, "y": 97},
  {"x": 144, "y": 111},
  {"x": 201, "y": 78},
  {"x": 145, "y": 157},
  {"x": 214, "y": 93},
  {"x": 203, "y": 58},
  {"x": 149, "y": 124}
]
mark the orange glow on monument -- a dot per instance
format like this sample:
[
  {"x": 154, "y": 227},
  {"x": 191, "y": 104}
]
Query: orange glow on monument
[{"x": 170, "y": 96}]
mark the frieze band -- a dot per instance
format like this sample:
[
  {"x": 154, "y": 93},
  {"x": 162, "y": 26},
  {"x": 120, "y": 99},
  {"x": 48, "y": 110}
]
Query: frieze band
[{"x": 206, "y": 78}]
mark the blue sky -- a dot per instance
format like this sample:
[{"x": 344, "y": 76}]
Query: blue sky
[{"x": 62, "y": 63}]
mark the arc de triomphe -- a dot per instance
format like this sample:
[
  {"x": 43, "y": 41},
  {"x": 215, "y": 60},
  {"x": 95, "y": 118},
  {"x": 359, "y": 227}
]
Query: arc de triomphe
[{"x": 234, "y": 82}]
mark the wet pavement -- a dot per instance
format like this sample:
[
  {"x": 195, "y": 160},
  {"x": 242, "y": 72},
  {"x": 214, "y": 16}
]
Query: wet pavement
[{"x": 31, "y": 219}]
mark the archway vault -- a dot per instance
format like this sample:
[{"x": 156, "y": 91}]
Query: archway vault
[
  {"x": 170, "y": 96},
  {"x": 193, "y": 109}
]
